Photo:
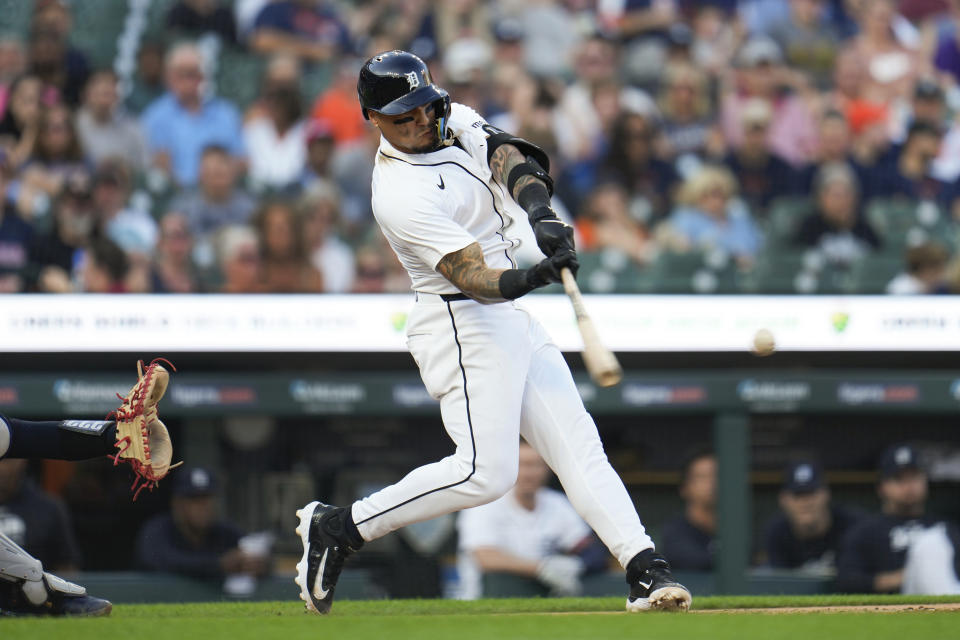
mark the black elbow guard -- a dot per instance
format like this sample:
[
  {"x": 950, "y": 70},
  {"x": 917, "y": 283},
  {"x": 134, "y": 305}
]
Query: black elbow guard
[
  {"x": 530, "y": 168},
  {"x": 533, "y": 153}
]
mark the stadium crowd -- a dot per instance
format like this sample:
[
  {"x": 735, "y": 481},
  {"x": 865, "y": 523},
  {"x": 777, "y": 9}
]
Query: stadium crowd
[{"x": 724, "y": 145}]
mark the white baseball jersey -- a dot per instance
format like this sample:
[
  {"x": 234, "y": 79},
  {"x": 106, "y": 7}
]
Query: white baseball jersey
[
  {"x": 492, "y": 367},
  {"x": 552, "y": 527},
  {"x": 432, "y": 204}
]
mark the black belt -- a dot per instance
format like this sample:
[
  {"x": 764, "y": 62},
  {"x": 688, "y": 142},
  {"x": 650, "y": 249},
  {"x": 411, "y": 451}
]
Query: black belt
[{"x": 453, "y": 297}]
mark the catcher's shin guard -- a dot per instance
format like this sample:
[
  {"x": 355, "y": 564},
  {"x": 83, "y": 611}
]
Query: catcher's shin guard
[
  {"x": 26, "y": 589},
  {"x": 142, "y": 439}
]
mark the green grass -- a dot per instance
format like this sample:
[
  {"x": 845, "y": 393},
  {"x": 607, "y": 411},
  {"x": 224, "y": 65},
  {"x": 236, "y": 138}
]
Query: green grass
[{"x": 498, "y": 619}]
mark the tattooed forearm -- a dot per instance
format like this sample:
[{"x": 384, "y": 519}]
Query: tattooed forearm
[
  {"x": 504, "y": 159},
  {"x": 467, "y": 270}
]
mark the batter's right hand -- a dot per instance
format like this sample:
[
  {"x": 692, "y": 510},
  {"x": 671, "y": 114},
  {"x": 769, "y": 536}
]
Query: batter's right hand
[{"x": 547, "y": 271}]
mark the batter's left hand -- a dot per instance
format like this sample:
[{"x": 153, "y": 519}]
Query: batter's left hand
[{"x": 553, "y": 235}]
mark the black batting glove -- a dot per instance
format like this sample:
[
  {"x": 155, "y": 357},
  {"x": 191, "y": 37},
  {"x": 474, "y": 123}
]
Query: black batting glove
[
  {"x": 547, "y": 271},
  {"x": 553, "y": 234}
]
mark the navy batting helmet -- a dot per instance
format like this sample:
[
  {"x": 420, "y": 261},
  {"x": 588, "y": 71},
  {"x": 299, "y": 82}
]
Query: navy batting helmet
[{"x": 395, "y": 82}]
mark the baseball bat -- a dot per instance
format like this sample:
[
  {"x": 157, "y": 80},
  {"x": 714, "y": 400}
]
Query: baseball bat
[{"x": 602, "y": 365}]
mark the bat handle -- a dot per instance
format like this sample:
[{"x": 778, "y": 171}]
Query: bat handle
[{"x": 569, "y": 283}]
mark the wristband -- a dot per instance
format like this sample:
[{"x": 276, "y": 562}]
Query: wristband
[{"x": 514, "y": 283}]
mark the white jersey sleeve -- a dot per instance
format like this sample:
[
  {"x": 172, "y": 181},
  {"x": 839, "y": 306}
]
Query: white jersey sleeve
[{"x": 420, "y": 225}]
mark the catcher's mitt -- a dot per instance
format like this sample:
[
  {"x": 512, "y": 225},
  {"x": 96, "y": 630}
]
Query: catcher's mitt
[{"x": 142, "y": 439}]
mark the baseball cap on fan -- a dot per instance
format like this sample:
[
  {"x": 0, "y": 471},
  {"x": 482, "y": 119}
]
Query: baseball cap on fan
[
  {"x": 803, "y": 476},
  {"x": 759, "y": 50},
  {"x": 899, "y": 457}
]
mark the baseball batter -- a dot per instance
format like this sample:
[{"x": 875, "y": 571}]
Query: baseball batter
[{"x": 448, "y": 192}]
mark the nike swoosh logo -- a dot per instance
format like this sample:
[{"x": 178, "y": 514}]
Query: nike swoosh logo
[
  {"x": 318, "y": 591},
  {"x": 441, "y": 185}
]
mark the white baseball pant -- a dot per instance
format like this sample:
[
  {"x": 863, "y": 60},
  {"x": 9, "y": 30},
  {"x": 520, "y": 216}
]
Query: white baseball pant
[{"x": 497, "y": 375}]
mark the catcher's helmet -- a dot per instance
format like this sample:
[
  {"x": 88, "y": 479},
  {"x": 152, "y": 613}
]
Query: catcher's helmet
[{"x": 394, "y": 82}]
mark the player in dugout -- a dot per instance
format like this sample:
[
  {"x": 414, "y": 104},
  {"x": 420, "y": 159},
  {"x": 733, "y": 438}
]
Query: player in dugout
[{"x": 135, "y": 434}]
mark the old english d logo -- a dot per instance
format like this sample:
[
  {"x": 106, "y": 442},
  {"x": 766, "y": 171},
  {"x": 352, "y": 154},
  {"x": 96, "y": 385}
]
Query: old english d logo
[{"x": 412, "y": 79}]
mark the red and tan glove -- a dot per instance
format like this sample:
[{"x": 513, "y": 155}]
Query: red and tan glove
[{"x": 142, "y": 439}]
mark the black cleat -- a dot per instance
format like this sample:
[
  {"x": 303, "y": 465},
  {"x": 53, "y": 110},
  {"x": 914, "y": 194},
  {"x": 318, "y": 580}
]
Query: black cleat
[
  {"x": 322, "y": 530},
  {"x": 652, "y": 586}
]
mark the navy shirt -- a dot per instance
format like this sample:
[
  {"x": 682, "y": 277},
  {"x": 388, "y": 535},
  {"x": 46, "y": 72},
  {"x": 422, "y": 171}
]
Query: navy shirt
[
  {"x": 760, "y": 184},
  {"x": 16, "y": 236},
  {"x": 786, "y": 551},
  {"x": 161, "y": 547},
  {"x": 877, "y": 544},
  {"x": 686, "y": 546},
  {"x": 39, "y": 523},
  {"x": 318, "y": 24}
]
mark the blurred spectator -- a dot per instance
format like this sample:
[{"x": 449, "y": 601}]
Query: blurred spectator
[
  {"x": 59, "y": 64},
  {"x": 837, "y": 228},
  {"x": 197, "y": 17},
  {"x": 238, "y": 256},
  {"x": 308, "y": 29},
  {"x": 763, "y": 175},
  {"x": 688, "y": 126},
  {"x": 16, "y": 236},
  {"x": 104, "y": 268},
  {"x": 13, "y": 62},
  {"x": 808, "y": 40},
  {"x": 761, "y": 75},
  {"x": 132, "y": 229},
  {"x": 55, "y": 255},
  {"x": 215, "y": 201},
  {"x": 886, "y": 50},
  {"x": 20, "y": 125},
  {"x": 378, "y": 269},
  {"x": 466, "y": 69},
  {"x": 191, "y": 539},
  {"x": 173, "y": 268},
  {"x": 35, "y": 520},
  {"x": 808, "y": 531},
  {"x": 531, "y": 531},
  {"x": 926, "y": 267},
  {"x": 460, "y": 19},
  {"x": 605, "y": 222},
  {"x": 57, "y": 156},
  {"x": 182, "y": 123},
  {"x": 286, "y": 266},
  {"x": 147, "y": 83},
  {"x": 715, "y": 39},
  {"x": 275, "y": 142},
  {"x": 282, "y": 71},
  {"x": 873, "y": 553},
  {"x": 709, "y": 218},
  {"x": 641, "y": 25},
  {"x": 580, "y": 126},
  {"x": 908, "y": 173},
  {"x": 688, "y": 539},
  {"x": 630, "y": 161},
  {"x": 327, "y": 252},
  {"x": 339, "y": 107},
  {"x": 947, "y": 54},
  {"x": 319, "y": 159},
  {"x": 104, "y": 130}
]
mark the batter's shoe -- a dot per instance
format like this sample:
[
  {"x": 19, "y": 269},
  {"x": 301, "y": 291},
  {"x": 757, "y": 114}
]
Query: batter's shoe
[
  {"x": 652, "y": 586},
  {"x": 326, "y": 544}
]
